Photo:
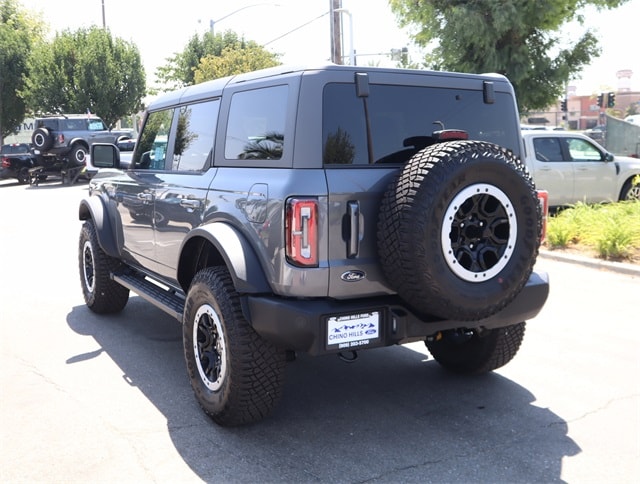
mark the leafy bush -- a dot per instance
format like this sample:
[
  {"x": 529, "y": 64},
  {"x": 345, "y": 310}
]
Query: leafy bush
[{"x": 612, "y": 229}]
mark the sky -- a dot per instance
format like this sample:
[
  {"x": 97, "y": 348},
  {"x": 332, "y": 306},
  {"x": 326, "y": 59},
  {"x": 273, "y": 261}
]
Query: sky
[{"x": 299, "y": 30}]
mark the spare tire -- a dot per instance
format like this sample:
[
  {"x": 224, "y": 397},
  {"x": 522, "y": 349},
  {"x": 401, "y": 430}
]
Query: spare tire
[
  {"x": 459, "y": 230},
  {"x": 42, "y": 139}
]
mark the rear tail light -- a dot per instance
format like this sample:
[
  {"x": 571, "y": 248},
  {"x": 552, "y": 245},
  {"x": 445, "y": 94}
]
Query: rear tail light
[
  {"x": 543, "y": 199},
  {"x": 5, "y": 162},
  {"x": 301, "y": 232}
]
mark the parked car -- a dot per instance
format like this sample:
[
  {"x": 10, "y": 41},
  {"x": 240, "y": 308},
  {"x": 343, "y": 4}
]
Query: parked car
[
  {"x": 597, "y": 133},
  {"x": 325, "y": 210},
  {"x": 17, "y": 160},
  {"x": 574, "y": 168},
  {"x": 68, "y": 137}
]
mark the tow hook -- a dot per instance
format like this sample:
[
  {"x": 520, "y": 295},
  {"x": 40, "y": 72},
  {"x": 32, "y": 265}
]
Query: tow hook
[{"x": 348, "y": 357}]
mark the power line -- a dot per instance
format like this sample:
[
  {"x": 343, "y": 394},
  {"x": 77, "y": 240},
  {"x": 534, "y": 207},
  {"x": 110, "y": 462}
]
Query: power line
[{"x": 297, "y": 28}]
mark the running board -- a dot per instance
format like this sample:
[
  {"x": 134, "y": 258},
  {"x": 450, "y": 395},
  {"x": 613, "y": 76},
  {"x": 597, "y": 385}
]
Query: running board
[{"x": 164, "y": 299}]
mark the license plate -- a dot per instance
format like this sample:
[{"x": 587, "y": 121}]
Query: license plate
[{"x": 353, "y": 330}]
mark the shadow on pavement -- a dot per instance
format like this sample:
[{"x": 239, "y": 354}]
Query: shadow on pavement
[{"x": 392, "y": 416}]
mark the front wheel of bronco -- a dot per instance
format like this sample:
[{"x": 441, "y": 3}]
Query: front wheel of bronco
[
  {"x": 237, "y": 377},
  {"x": 459, "y": 230},
  {"x": 472, "y": 352},
  {"x": 101, "y": 294}
]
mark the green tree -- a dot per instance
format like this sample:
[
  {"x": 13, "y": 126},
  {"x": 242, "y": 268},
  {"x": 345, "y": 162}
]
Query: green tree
[
  {"x": 181, "y": 69},
  {"x": 234, "y": 61},
  {"x": 86, "y": 70},
  {"x": 520, "y": 39},
  {"x": 18, "y": 33}
]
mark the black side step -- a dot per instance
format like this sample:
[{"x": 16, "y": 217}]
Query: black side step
[{"x": 165, "y": 299}]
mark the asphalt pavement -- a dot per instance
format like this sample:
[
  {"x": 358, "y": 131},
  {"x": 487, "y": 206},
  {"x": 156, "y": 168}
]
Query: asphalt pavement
[{"x": 85, "y": 398}]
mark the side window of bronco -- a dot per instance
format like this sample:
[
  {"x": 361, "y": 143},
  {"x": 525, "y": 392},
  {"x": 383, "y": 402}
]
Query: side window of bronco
[
  {"x": 151, "y": 148},
  {"x": 256, "y": 126},
  {"x": 193, "y": 148}
]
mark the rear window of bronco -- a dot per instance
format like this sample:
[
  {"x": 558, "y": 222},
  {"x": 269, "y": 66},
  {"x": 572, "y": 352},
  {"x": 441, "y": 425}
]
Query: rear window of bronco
[{"x": 402, "y": 119}]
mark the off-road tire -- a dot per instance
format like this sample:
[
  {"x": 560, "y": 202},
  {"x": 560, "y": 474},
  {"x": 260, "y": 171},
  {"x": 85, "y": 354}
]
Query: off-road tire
[
  {"x": 473, "y": 353},
  {"x": 23, "y": 176},
  {"x": 101, "y": 293},
  {"x": 459, "y": 230},
  {"x": 42, "y": 139},
  {"x": 237, "y": 377},
  {"x": 78, "y": 155}
]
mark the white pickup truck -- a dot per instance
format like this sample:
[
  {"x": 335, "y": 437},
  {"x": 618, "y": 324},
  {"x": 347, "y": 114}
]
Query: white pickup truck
[{"x": 574, "y": 168}]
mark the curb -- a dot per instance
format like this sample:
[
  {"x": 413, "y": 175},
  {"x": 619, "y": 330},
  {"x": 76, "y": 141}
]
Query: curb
[{"x": 619, "y": 267}]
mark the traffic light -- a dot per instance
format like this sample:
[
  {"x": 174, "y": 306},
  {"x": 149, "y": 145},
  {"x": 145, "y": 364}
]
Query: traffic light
[
  {"x": 601, "y": 100},
  {"x": 563, "y": 105},
  {"x": 611, "y": 99}
]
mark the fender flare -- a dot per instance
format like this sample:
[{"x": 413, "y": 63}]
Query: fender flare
[
  {"x": 238, "y": 255},
  {"x": 93, "y": 208}
]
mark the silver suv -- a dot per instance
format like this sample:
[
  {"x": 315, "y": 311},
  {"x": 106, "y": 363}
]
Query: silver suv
[
  {"x": 320, "y": 210},
  {"x": 69, "y": 137}
]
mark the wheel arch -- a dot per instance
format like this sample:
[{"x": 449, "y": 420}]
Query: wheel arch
[
  {"x": 627, "y": 180},
  {"x": 79, "y": 141},
  {"x": 221, "y": 244},
  {"x": 93, "y": 208}
]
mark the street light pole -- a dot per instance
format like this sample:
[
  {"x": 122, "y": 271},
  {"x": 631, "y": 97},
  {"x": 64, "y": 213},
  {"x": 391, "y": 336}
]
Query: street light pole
[
  {"x": 212, "y": 22},
  {"x": 352, "y": 52},
  {"x": 336, "y": 31}
]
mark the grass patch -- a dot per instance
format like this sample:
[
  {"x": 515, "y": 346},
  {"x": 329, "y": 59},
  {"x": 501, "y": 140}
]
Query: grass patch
[{"x": 611, "y": 229}]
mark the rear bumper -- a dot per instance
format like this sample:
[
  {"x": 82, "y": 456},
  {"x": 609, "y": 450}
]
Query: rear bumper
[{"x": 303, "y": 324}]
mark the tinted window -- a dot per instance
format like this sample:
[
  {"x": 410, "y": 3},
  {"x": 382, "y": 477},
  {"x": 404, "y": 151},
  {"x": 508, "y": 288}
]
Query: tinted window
[
  {"x": 75, "y": 124},
  {"x": 548, "y": 149},
  {"x": 47, "y": 123},
  {"x": 151, "y": 149},
  {"x": 256, "y": 124},
  {"x": 14, "y": 149},
  {"x": 402, "y": 119},
  {"x": 193, "y": 148}
]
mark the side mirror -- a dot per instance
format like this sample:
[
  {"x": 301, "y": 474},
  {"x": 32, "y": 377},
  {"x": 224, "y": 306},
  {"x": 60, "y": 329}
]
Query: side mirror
[
  {"x": 105, "y": 155},
  {"x": 608, "y": 157}
]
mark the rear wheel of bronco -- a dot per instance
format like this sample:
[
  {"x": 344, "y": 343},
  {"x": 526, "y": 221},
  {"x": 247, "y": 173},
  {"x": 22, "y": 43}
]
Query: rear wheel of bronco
[
  {"x": 459, "y": 230},
  {"x": 78, "y": 155},
  {"x": 42, "y": 139},
  {"x": 472, "y": 352},
  {"x": 101, "y": 293},
  {"x": 237, "y": 377}
]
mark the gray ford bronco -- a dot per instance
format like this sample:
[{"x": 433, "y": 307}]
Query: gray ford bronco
[
  {"x": 70, "y": 136},
  {"x": 320, "y": 210}
]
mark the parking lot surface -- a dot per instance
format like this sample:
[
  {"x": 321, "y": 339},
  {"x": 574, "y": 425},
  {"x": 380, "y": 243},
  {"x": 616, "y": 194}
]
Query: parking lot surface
[{"x": 86, "y": 398}]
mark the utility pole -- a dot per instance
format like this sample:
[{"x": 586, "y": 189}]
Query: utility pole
[
  {"x": 104, "y": 19},
  {"x": 336, "y": 31}
]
